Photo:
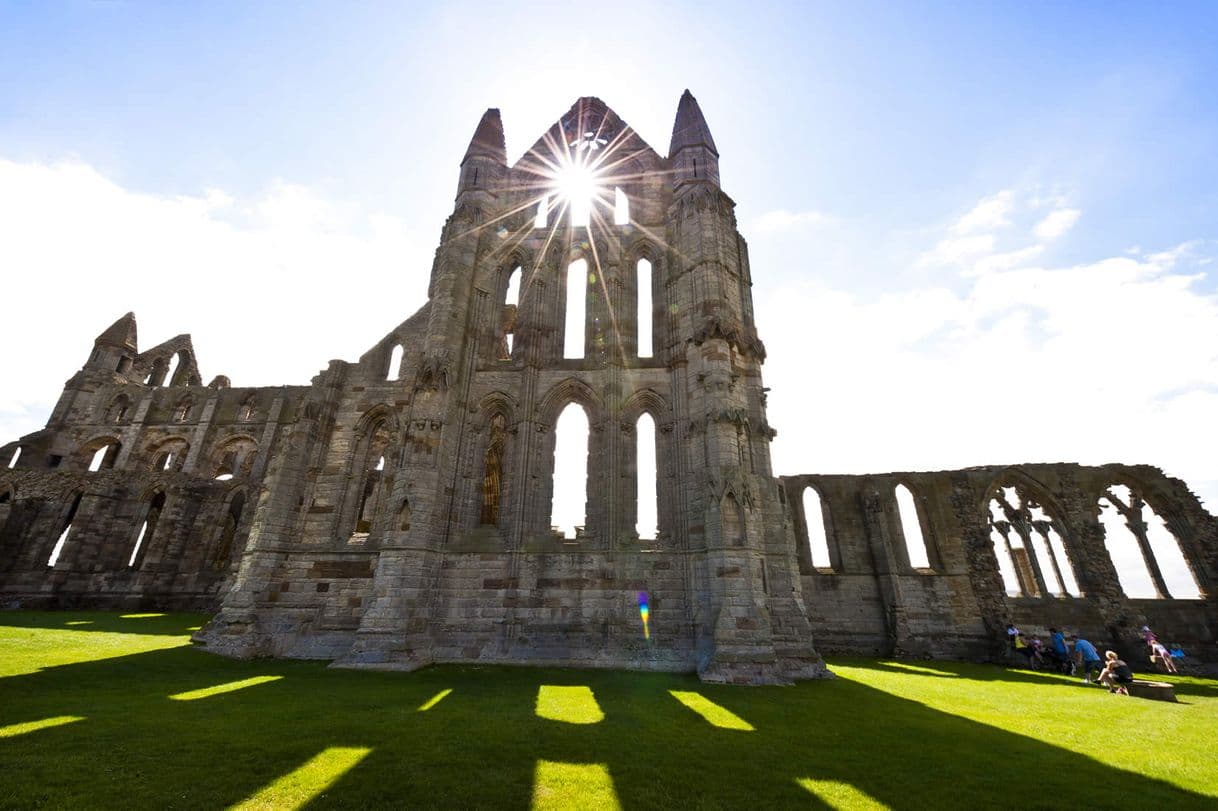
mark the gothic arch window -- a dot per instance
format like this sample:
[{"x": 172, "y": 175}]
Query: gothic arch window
[
  {"x": 156, "y": 375},
  {"x": 395, "y": 363},
  {"x": 404, "y": 516},
  {"x": 621, "y": 207},
  {"x": 181, "y": 411},
  {"x": 246, "y": 412},
  {"x": 147, "y": 530},
  {"x": 372, "y": 484},
  {"x": 733, "y": 521},
  {"x": 1030, "y": 546},
  {"x": 102, "y": 456},
  {"x": 62, "y": 540},
  {"x": 508, "y": 313},
  {"x": 576, "y": 321},
  {"x": 814, "y": 524},
  {"x": 542, "y": 219},
  {"x": 12, "y": 462},
  {"x": 911, "y": 528},
  {"x": 228, "y": 532},
  {"x": 645, "y": 326},
  {"x": 568, "y": 508},
  {"x": 1144, "y": 550},
  {"x": 175, "y": 362},
  {"x": 492, "y": 469},
  {"x": 120, "y": 406},
  {"x": 234, "y": 457},
  {"x": 647, "y": 482},
  {"x": 170, "y": 455}
]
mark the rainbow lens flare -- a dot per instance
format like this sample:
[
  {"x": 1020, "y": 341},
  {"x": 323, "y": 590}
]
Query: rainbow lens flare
[{"x": 645, "y": 613}]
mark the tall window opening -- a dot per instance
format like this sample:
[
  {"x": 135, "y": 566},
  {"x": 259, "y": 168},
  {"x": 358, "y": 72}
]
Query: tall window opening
[
  {"x": 621, "y": 207},
  {"x": 12, "y": 462},
  {"x": 395, "y": 363},
  {"x": 543, "y": 213},
  {"x": 492, "y": 470},
  {"x": 182, "y": 411},
  {"x": 172, "y": 371},
  {"x": 1029, "y": 547},
  {"x": 57, "y": 550},
  {"x": 372, "y": 491},
  {"x": 646, "y": 479},
  {"x": 104, "y": 457},
  {"x": 911, "y": 528},
  {"x": 118, "y": 409},
  {"x": 577, "y": 287},
  {"x": 567, "y": 510},
  {"x": 643, "y": 271},
  {"x": 224, "y": 547},
  {"x": 507, "y": 320},
  {"x": 246, "y": 412},
  {"x": 1147, "y": 556},
  {"x": 814, "y": 522},
  {"x": 147, "y": 530}
]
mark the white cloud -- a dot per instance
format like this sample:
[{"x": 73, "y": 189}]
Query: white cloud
[
  {"x": 266, "y": 286},
  {"x": 782, "y": 220},
  {"x": 1056, "y": 223},
  {"x": 1112, "y": 360},
  {"x": 991, "y": 213},
  {"x": 956, "y": 249}
]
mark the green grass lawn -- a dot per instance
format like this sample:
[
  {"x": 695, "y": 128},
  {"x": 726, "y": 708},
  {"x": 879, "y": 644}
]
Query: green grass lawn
[{"x": 104, "y": 710}]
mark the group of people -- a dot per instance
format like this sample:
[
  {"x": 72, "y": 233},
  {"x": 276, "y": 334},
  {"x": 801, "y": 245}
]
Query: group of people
[{"x": 1080, "y": 655}]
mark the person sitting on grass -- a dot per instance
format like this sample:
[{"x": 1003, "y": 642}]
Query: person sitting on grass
[
  {"x": 1116, "y": 675},
  {"x": 1160, "y": 656},
  {"x": 1086, "y": 657},
  {"x": 1023, "y": 648}
]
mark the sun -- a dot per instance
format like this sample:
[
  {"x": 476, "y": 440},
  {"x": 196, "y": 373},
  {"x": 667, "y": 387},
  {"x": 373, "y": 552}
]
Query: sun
[{"x": 578, "y": 184}]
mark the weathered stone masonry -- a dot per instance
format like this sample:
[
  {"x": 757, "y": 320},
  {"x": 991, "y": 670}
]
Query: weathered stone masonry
[{"x": 397, "y": 511}]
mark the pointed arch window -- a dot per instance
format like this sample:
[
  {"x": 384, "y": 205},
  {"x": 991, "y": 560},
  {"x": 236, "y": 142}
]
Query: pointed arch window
[
  {"x": 492, "y": 469},
  {"x": 1029, "y": 546},
  {"x": 395, "y": 363},
  {"x": 646, "y": 329},
  {"x": 147, "y": 530},
  {"x": 1144, "y": 550},
  {"x": 12, "y": 462},
  {"x": 57, "y": 550},
  {"x": 733, "y": 521},
  {"x": 104, "y": 457},
  {"x": 911, "y": 528},
  {"x": 507, "y": 317},
  {"x": 814, "y": 523},
  {"x": 542, "y": 219},
  {"x": 570, "y": 481},
  {"x": 575, "y": 329},
  {"x": 621, "y": 207},
  {"x": 646, "y": 479},
  {"x": 372, "y": 487},
  {"x": 228, "y": 534}
]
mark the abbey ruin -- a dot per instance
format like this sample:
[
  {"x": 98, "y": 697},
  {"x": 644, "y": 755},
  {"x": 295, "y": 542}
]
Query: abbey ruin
[{"x": 398, "y": 510}]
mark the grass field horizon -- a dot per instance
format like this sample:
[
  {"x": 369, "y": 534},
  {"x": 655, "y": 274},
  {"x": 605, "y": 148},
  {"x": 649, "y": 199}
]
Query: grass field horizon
[{"x": 105, "y": 710}]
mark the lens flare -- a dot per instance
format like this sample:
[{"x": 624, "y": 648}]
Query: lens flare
[{"x": 645, "y": 613}]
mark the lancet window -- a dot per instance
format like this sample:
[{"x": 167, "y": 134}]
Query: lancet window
[{"x": 1030, "y": 547}]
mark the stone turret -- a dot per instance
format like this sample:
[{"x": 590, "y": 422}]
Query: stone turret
[{"x": 692, "y": 150}]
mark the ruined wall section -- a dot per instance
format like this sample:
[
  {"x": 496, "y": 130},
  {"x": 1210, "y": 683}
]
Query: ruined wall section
[{"x": 870, "y": 600}]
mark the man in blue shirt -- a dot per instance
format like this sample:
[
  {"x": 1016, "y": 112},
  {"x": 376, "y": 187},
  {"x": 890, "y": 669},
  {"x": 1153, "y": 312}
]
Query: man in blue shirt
[
  {"x": 1087, "y": 657},
  {"x": 1057, "y": 643}
]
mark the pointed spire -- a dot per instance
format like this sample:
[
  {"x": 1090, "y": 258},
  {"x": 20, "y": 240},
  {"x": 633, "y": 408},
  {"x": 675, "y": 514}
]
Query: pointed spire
[
  {"x": 690, "y": 129},
  {"x": 488, "y": 139},
  {"x": 120, "y": 334}
]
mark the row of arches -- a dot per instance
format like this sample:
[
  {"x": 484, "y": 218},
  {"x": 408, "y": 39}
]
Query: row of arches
[
  {"x": 118, "y": 410},
  {"x": 1031, "y": 545},
  {"x": 230, "y": 457},
  {"x": 150, "y": 517}
]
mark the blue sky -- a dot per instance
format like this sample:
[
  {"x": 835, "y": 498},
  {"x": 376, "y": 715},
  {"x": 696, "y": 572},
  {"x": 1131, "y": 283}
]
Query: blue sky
[{"x": 981, "y": 233}]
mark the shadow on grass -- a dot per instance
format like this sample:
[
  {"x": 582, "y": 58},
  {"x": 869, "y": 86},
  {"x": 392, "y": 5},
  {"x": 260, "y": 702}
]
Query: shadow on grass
[
  {"x": 479, "y": 746},
  {"x": 120, "y": 622}
]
